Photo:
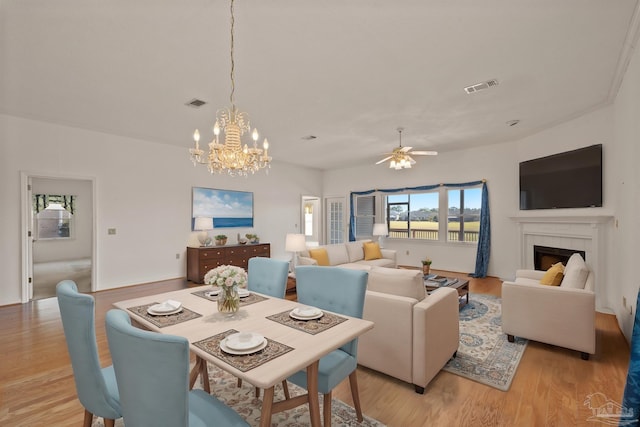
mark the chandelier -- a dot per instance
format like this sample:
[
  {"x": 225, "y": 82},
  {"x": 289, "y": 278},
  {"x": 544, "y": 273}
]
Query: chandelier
[{"x": 231, "y": 157}]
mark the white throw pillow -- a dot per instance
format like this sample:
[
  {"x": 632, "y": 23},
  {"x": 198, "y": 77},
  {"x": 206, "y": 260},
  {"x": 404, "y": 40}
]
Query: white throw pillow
[
  {"x": 355, "y": 251},
  {"x": 337, "y": 254},
  {"x": 575, "y": 273}
]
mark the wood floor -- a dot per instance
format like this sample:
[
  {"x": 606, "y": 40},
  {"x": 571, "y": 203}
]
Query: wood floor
[{"x": 549, "y": 389}]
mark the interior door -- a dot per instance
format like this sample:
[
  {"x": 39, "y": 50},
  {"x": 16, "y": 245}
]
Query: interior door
[{"x": 335, "y": 220}]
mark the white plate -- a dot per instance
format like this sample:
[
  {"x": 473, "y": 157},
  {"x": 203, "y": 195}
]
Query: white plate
[
  {"x": 163, "y": 313},
  {"x": 212, "y": 292},
  {"x": 306, "y": 311},
  {"x": 243, "y": 293},
  {"x": 296, "y": 316},
  {"x": 166, "y": 306},
  {"x": 244, "y": 341},
  {"x": 226, "y": 349}
]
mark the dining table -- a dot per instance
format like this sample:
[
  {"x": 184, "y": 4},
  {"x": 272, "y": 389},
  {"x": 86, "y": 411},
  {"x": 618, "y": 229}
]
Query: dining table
[{"x": 291, "y": 344}]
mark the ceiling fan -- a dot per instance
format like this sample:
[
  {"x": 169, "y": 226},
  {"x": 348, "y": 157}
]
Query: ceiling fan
[{"x": 400, "y": 158}]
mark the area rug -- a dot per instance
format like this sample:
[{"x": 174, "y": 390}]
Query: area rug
[
  {"x": 242, "y": 400},
  {"x": 484, "y": 354}
]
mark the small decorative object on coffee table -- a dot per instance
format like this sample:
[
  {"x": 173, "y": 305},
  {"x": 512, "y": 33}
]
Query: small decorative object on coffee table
[
  {"x": 426, "y": 266},
  {"x": 433, "y": 282},
  {"x": 221, "y": 240}
]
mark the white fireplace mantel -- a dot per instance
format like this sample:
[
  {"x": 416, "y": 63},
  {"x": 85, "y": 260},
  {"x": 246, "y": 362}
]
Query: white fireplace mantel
[
  {"x": 564, "y": 219},
  {"x": 588, "y": 233}
]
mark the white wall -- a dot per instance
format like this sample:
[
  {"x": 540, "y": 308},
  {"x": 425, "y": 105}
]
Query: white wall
[
  {"x": 498, "y": 164},
  {"x": 626, "y": 281},
  {"x": 80, "y": 246},
  {"x": 143, "y": 190}
]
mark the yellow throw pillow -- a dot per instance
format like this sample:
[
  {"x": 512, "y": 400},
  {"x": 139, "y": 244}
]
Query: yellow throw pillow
[
  {"x": 553, "y": 276},
  {"x": 371, "y": 251},
  {"x": 320, "y": 255}
]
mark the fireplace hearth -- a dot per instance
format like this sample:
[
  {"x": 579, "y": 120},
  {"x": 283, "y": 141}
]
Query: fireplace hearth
[{"x": 545, "y": 256}]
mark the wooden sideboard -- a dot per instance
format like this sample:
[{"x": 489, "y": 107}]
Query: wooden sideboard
[{"x": 205, "y": 258}]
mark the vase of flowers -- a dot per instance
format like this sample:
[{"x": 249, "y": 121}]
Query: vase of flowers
[
  {"x": 426, "y": 266},
  {"x": 228, "y": 278},
  {"x": 221, "y": 240}
]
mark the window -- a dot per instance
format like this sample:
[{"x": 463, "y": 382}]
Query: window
[
  {"x": 365, "y": 215},
  {"x": 463, "y": 220},
  {"x": 443, "y": 214},
  {"x": 414, "y": 216}
]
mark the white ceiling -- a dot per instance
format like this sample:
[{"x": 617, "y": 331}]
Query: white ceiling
[{"x": 348, "y": 72}]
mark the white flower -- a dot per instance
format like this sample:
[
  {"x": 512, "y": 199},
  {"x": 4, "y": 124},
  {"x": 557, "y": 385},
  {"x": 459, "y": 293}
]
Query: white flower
[{"x": 226, "y": 276}]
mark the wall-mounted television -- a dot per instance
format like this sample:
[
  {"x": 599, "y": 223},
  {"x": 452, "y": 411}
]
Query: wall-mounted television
[
  {"x": 228, "y": 208},
  {"x": 572, "y": 179}
]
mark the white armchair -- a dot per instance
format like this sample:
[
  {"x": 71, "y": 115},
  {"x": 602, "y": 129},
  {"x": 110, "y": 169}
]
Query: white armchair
[{"x": 558, "y": 315}]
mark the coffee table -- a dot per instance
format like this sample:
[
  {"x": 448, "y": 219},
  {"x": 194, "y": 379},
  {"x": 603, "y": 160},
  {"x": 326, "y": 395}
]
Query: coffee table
[{"x": 460, "y": 285}]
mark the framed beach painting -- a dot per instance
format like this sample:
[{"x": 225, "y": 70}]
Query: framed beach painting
[{"x": 228, "y": 208}]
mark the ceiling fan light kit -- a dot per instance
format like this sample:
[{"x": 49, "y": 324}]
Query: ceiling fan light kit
[{"x": 399, "y": 158}]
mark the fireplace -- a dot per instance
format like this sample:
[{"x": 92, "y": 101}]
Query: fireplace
[{"x": 545, "y": 256}]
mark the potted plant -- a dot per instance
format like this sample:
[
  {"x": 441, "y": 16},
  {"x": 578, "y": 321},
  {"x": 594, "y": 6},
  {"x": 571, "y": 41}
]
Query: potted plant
[
  {"x": 426, "y": 266},
  {"x": 221, "y": 240},
  {"x": 253, "y": 238}
]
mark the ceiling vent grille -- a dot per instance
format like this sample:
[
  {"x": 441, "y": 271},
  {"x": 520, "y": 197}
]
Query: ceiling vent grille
[
  {"x": 195, "y": 103},
  {"x": 481, "y": 86}
]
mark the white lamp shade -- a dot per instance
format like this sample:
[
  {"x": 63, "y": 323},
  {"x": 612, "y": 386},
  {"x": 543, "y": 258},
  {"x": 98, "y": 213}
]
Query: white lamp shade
[
  {"x": 295, "y": 243},
  {"x": 203, "y": 223},
  {"x": 380, "y": 230}
]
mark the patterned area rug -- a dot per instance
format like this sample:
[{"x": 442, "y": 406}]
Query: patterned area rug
[
  {"x": 485, "y": 355},
  {"x": 243, "y": 400}
]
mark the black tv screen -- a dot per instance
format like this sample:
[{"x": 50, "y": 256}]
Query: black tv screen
[{"x": 572, "y": 179}]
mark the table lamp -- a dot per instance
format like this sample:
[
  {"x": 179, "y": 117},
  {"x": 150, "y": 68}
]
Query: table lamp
[
  {"x": 380, "y": 230},
  {"x": 203, "y": 224},
  {"x": 295, "y": 243}
]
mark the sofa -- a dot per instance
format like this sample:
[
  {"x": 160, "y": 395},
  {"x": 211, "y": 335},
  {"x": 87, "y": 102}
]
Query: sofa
[
  {"x": 562, "y": 315},
  {"x": 415, "y": 334},
  {"x": 349, "y": 255}
]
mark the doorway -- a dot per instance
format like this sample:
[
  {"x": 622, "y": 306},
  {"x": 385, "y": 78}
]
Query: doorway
[
  {"x": 59, "y": 236},
  {"x": 311, "y": 220}
]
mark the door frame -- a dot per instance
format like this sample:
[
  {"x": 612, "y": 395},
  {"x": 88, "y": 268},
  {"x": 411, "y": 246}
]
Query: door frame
[{"x": 26, "y": 228}]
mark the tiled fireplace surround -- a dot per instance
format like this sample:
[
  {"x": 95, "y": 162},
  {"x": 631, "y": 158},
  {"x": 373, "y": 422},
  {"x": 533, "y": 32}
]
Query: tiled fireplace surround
[{"x": 581, "y": 233}]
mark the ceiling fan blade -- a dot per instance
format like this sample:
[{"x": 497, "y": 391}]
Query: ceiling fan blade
[
  {"x": 405, "y": 149},
  {"x": 383, "y": 160},
  {"x": 425, "y": 153},
  {"x": 411, "y": 161}
]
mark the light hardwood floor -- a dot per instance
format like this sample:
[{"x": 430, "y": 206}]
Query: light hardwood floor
[{"x": 549, "y": 389}]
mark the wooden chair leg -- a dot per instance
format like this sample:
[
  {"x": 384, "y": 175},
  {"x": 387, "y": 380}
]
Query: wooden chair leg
[
  {"x": 285, "y": 387},
  {"x": 239, "y": 382},
  {"x": 204, "y": 373},
  {"x": 353, "y": 382},
  {"x": 326, "y": 410},
  {"x": 109, "y": 422},
  {"x": 257, "y": 392},
  {"x": 88, "y": 419}
]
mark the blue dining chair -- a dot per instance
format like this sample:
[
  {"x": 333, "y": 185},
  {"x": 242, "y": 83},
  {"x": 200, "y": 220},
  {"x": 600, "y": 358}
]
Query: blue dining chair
[
  {"x": 268, "y": 276},
  {"x": 153, "y": 378},
  {"x": 96, "y": 387},
  {"x": 339, "y": 290}
]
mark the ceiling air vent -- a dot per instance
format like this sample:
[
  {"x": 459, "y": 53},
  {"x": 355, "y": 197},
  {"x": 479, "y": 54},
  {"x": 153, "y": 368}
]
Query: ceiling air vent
[
  {"x": 481, "y": 86},
  {"x": 195, "y": 103}
]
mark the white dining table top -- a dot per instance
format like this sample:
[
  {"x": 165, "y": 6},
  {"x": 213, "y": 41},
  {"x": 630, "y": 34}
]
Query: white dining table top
[{"x": 307, "y": 348}]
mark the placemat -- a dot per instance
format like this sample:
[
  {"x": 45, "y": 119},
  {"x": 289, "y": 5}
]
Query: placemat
[
  {"x": 251, "y": 299},
  {"x": 166, "y": 320},
  {"x": 312, "y": 327},
  {"x": 242, "y": 362}
]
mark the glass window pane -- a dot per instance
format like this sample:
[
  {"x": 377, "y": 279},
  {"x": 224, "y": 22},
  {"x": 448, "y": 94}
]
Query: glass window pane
[
  {"x": 463, "y": 222},
  {"x": 424, "y": 215}
]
